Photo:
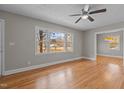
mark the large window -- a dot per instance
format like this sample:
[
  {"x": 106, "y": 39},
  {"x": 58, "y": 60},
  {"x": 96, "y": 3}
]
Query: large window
[{"x": 52, "y": 42}]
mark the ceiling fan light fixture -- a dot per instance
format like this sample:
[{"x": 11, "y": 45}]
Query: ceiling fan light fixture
[
  {"x": 85, "y": 13},
  {"x": 84, "y": 17}
]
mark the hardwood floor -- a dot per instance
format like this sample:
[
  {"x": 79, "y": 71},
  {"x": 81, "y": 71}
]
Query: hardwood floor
[
  {"x": 106, "y": 60},
  {"x": 105, "y": 73}
]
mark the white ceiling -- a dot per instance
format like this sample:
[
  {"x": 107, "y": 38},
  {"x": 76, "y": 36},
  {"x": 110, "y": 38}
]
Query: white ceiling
[{"x": 59, "y": 14}]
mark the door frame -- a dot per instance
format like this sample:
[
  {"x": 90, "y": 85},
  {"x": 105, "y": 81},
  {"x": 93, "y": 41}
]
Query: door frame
[
  {"x": 2, "y": 62},
  {"x": 107, "y": 31}
]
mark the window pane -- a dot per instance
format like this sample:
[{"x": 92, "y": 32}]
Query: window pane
[
  {"x": 69, "y": 42},
  {"x": 69, "y": 37},
  {"x": 57, "y": 42},
  {"x": 112, "y": 42},
  {"x": 69, "y": 46},
  {"x": 41, "y": 47}
]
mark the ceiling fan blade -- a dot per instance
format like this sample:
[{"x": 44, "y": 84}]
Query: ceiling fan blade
[
  {"x": 78, "y": 20},
  {"x": 76, "y": 15},
  {"x": 90, "y": 19},
  {"x": 86, "y": 7},
  {"x": 98, "y": 11}
]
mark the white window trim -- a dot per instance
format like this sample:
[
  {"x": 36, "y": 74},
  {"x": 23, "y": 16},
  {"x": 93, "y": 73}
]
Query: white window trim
[
  {"x": 37, "y": 28},
  {"x": 2, "y": 62},
  {"x": 72, "y": 43}
]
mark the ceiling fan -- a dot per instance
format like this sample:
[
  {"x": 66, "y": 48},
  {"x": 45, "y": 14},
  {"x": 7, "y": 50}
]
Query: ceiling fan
[{"x": 86, "y": 13}]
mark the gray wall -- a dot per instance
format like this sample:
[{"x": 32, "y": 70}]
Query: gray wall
[
  {"x": 20, "y": 42},
  {"x": 89, "y": 38},
  {"x": 102, "y": 48}
]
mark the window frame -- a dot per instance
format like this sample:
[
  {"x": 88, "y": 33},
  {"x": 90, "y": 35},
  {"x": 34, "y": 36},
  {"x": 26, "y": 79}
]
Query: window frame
[{"x": 37, "y": 29}]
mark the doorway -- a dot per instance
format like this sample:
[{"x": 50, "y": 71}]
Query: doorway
[
  {"x": 1, "y": 47},
  {"x": 109, "y": 47}
]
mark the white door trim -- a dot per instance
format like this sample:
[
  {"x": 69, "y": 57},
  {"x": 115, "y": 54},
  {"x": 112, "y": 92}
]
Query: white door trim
[
  {"x": 107, "y": 31},
  {"x": 3, "y": 46}
]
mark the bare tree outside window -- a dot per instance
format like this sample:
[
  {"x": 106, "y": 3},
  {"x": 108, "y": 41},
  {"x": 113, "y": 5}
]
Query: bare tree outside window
[{"x": 42, "y": 44}]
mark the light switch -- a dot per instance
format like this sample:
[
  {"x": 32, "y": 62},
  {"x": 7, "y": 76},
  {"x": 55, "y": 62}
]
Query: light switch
[{"x": 11, "y": 43}]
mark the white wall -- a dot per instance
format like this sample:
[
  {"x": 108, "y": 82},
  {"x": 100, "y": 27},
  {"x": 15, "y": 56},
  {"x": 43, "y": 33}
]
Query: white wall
[{"x": 20, "y": 42}]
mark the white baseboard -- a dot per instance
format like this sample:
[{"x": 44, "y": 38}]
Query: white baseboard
[
  {"x": 93, "y": 59},
  {"x": 110, "y": 56},
  {"x": 38, "y": 66},
  {"x": 42, "y": 65}
]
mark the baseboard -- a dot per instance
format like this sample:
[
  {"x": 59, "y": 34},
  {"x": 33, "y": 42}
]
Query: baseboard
[
  {"x": 89, "y": 58},
  {"x": 110, "y": 56},
  {"x": 38, "y": 66}
]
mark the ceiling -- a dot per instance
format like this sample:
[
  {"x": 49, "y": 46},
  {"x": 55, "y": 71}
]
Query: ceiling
[{"x": 59, "y": 14}]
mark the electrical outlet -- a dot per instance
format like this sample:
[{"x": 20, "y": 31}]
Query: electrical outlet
[{"x": 29, "y": 62}]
